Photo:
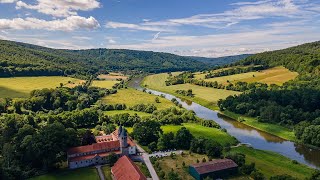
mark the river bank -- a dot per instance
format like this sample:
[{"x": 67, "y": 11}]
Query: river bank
[{"x": 247, "y": 134}]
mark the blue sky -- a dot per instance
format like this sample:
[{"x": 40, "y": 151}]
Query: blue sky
[{"x": 210, "y": 28}]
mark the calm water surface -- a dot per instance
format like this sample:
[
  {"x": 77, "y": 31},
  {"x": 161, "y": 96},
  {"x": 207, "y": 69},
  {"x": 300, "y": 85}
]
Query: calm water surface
[{"x": 246, "y": 134}]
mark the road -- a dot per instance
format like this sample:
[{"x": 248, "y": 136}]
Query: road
[
  {"x": 101, "y": 175},
  {"x": 148, "y": 163}
]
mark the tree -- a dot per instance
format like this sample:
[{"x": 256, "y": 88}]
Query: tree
[
  {"x": 112, "y": 158},
  {"x": 256, "y": 175},
  {"x": 173, "y": 175},
  {"x": 315, "y": 175},
  {"x": 282, "y": 177},
  {"x": 157, "y": 100},
  {"x": 147, "y": 132},
  {"x": 213, "y": 148},
  {"x": 247, "y": 169},
  {"x": 238, "y": 158},
  {"x": 166, "y": 141},
  {"x": 183, "y": 138},
  {"x": 152, "y": 146}
]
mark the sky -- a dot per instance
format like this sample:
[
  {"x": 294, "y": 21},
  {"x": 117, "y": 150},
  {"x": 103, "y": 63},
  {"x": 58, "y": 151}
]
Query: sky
[{"x": 207, "y": 28}]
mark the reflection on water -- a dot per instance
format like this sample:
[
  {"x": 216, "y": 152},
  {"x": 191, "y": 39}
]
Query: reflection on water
[{"x": 246, "y": 134}]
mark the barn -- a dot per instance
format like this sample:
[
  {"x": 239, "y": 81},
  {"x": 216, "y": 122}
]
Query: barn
[{"x": 214, "y": 169}]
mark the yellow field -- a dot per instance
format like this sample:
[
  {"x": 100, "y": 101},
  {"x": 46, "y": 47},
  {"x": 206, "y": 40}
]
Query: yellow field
[
  {"x": 204, "y": 95},
  {"x": 19, "y": 87},
  {"x": 112, "y": 76},
  {"x": 104, "y": 84},
  {"x": 276, "y": 75},
  {"x": 132, "y": 97}
]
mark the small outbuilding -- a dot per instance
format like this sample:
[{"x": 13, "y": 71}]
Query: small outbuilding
[{"x": 214, "y": 169}]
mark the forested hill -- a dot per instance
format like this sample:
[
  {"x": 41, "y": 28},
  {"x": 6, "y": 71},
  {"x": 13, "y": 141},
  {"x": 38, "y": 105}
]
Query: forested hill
[
  {"x": 220, "y": 61},
  {"x": 20, "y": 59},
  {"x": 304, "y": 58}
]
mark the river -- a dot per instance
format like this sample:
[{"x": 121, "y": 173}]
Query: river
[{"x": 246, "y": 134}]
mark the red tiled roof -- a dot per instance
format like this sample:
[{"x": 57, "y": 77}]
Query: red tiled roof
[
  {"x": 125, "y": 169},
  {"x": 215, "y": 165},
  {"x": 91, "y": 156},
  {"x": 106, "y": 138},
  {"x": 94, "y": 147}
]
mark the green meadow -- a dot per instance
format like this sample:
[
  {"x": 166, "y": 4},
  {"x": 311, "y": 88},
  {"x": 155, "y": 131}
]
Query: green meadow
[
  {"x": 271, "y": 164},
  {"x": 104, "y": 84},
  {"x": 203, "y": 95},
  {"x": 77, "y": 174},
  {"x": 200, "y": 131},
  {"x": 132, "y": 97},
  {"x": 20, "y": 87}
]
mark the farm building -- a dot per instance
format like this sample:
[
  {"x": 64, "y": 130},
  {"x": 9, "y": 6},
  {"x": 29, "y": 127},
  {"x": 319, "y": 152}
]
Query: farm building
[
  {"x": 97, "y": 153},
  {"x": 214, "y": 169},
  {"x": 125, "y": 169}
]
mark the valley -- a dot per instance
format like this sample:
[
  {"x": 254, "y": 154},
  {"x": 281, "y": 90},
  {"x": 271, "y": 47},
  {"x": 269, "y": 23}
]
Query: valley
[{"x": 199, "y": 112}]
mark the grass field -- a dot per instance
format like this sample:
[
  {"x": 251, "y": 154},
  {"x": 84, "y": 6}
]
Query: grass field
[
  {"x": 198, "y": 131},
  {"x": 107, "y": 172},
  {"x": 19, "y": 87},
  {"x": 203, "y": 95},
  {"x": 276, "y": 75},
  {"x": 112, "y": 76},
  {"x": 274, "y": 129},
  {"x": 141, "y": 114},
  {"x": 104, "y": 84},
  {"x": 78, "y": 174},
  {"x": 131, "y": 97},
  {"x": 168, "y": 163},
  {"x": 271, "y": 164}
]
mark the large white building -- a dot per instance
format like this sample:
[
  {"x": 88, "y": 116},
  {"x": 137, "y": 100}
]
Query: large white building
[{"x": 117, "y": 142}]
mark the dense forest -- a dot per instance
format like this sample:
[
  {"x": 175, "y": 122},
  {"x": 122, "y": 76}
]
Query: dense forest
[
  {"x": 20, "y": 59},
  {"x": 220, "y": 61},
  {"x": 296, "y": 104}
]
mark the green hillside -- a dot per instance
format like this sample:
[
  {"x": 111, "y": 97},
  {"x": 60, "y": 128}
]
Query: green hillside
[
  {"x": 20, "y": 59},
  {"x": 304, "y": 59}
]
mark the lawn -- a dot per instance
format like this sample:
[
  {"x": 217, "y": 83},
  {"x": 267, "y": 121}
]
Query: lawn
[
  {"x": 199, "y": 131},
  {"x": 20, "y": 87},
  {"x": 274, "y": 129},
  {"x": 176, "y": 163},
  {"x": 77, "y": 174},
  {"x": 107, "y": 172},
  {"x": 104, "y": 84},
  {"x": 132, "y": 97},
  {"x": 205, "y": 96},
  {"x": 143, "y": 169},
  {"x": 141, "y": 114},
  {"x": 277, "y": 75},
  {"x": 271, "y": 164}
]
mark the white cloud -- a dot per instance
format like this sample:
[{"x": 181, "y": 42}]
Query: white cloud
[
  {"x": 217, "y": 45},
  {"x": 68, "y": 24},
  {"x": 111, "y": 41},
  {"x": 60, "y": 8},
  {"x": 116, "y": 25},
  {"x": 7, "y": 1},
  {"x": 244, "y": 11}
]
